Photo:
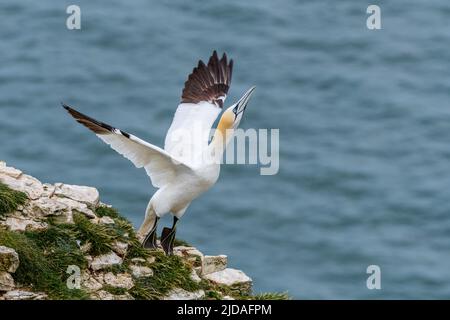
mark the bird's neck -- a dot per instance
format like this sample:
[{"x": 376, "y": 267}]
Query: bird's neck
[{"x": 219, "y": 142}]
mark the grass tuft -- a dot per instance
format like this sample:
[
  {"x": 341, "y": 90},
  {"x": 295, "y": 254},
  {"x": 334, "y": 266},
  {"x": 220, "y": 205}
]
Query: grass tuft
[
  {"x": 270, "y": 296},
  {"x": 117, "y": 291},
  {"x": 98, "y": 235},
  {"x": 103, "y": 211},
  {"x": 169, "y": 272},
  {"x": 40, "y": 270},
  {"x": 213, "y": 295},
  {"x": 179, "y": 242},
  {"x": 10, "y": 199}
]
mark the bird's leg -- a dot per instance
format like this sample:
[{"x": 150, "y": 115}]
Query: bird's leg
[
  {"x": 150, "y": 239},
  {"x": 168, "y": 237}
]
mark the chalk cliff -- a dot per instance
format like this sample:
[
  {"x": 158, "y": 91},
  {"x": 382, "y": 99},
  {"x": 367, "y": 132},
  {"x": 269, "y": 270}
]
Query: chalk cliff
[{"x": 58, "y": 241}]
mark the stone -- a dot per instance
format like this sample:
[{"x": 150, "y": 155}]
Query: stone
[
  {"x": 195, "y": 277},
  {"x": 235, "y": 279},
  {"x": 212, "y": 264},
  {"x": 74, "y": 206},
  {"x": 83, "y": 194},
  {"x": 106, "y": 220},
  {"x": 141, "y": 271},
  {"x": 9, "y": 259},
  {"x": 22, "y": 224},
  {"x": 89, "y": 283},
  {"x": 151, "y": 260},
  {"x": 105, "y": 261},
  {"x": 10, "y": 171},
  {"x": 191, "y": 254},
  {"x": 89, "y": 260},
  {"x": 228, "y": 298},
  {"x": 121, "y": 280},
  {"x": 138, "y": 260},
  {"x": 25, "y": 183},
  {"x": 105, "y": 295},
  {"x": 49, "y": 190},
  {"x": 6, "y": 281},
  {"x": 86, "y": 247},
  {"x": 24, "y": 295},
  {"x": 181, "y": 294},
  {"x": 120, "y": 247},
  {"x": 47, "y": 207}
]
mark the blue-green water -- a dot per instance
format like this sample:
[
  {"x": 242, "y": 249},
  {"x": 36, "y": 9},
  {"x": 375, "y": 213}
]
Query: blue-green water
[{"x": 364, "y": 121}]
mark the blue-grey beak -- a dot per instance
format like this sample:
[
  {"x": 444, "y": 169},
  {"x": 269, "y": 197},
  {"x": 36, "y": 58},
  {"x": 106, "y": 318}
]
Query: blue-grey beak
[{"x": 242, "y": 103}]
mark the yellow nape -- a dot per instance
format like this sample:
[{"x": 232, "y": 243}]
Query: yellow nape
[
  {"x": 226, "y": 122},
  {"x": 224, "y": 132}
]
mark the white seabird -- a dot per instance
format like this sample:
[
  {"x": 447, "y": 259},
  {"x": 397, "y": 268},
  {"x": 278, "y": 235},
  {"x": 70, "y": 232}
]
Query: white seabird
[{"x": 183, "y": 170}]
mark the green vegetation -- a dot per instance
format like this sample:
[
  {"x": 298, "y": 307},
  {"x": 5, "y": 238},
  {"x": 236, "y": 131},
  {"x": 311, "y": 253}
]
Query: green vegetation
[
  {"x": 40, "y": 268},
  {"x": 99, "y": 236},
  {"x": 115, "y": 290},
  {"x": 179, "y": 242},
  {"x": 45, "y": 256},
  {"x": 270, "y": 296},
  {"x": 169, "y": 272},
  {"x": 105, "y": 211},
  {"x": 10, "y": 199}
]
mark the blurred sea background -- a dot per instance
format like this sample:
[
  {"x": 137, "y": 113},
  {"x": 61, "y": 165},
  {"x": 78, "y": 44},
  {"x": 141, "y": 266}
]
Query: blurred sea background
[{"x": 364, "y": 121}]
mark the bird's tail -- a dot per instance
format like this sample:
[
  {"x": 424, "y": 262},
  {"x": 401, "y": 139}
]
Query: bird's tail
[{"x": 149, "y": 221}]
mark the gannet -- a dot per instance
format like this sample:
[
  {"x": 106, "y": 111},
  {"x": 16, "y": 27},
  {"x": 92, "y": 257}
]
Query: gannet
[{"x": 183, "y": 170}]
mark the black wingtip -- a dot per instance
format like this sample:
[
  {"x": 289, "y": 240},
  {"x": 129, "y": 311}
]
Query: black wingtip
[{"x": 65, "y": 106}]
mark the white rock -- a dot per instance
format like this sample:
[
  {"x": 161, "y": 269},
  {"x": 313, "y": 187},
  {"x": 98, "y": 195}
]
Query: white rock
[
  {"x": 195, "y": 277},
  {"x": 75, "y": 206},
  {"x": 9, "y": 259},
  {"x": 141, "y": 271},
  {"x": 86, "y": 247},
  {"x": 232, "y": 278},
  {"x": 151, "y": 260},
  {"x": 105, "y": 295},
  {"x": 190, "y": 254},
  {"x": 120, "y": 247},
  {"x": 25, "y": 183},
  {"x": 6, "y": 281},
  {"x": 106, "y": 220},
  {"x": 138, "y": 260},
  {"x": 24, "y": 295},
  {"x": 86, "y": 195},
  {"x": 22, "y": 224},
  {"x": 89, "y": 260},
  {"x": 10, "y": 171},
  {"x": 105, "y": 261},
  {"x": 47, "y": 206},
  {"x": 212, "y": 264},
  {"x": 49, "y": 190},
  {"x": 121, "y": 280},
  {"x": 181, "y": 294},
  {"x": 228, "y": 298},
  {"x": 89, "y": 283}
]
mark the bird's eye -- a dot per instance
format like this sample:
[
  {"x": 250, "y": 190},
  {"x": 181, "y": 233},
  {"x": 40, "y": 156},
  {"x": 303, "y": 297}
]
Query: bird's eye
[{"x": 235, "y": 110}]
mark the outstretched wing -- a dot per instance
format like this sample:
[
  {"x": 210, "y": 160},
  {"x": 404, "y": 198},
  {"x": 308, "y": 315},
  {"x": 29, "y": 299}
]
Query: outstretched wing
[
  {"x": 160, "y": 166},
  {"x": 201, "y": 102}
]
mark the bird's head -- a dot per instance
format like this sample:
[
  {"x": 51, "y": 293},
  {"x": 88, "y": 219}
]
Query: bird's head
[
  {"x": 233, "y": 115},
  {"x": 229, "y": 121}
]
